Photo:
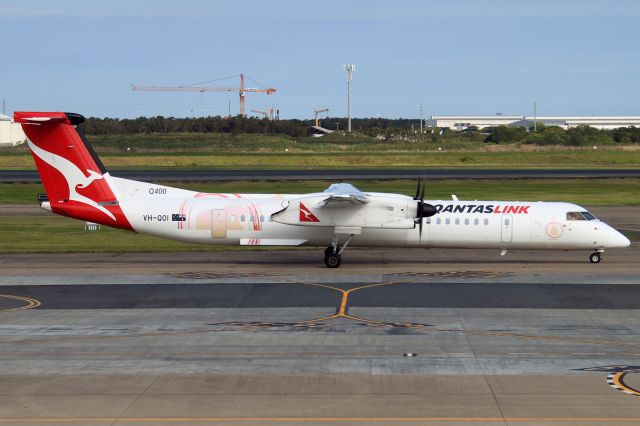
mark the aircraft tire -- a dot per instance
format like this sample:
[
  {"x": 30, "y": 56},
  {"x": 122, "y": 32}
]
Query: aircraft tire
[
  {"x": 332, "y": 260},
  {"x": 595, "y": 257}
]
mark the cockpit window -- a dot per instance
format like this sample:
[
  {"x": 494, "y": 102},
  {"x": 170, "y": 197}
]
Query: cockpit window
[
  {"x": 575, "y": 216},
  {"x": 580, "y": 216}
]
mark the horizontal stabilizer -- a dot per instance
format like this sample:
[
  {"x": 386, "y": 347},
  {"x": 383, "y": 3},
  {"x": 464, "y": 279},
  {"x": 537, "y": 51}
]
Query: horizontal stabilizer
[{"x": 41, "y": 120}]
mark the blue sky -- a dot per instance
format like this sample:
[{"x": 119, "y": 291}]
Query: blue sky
[{"x": 454, "y": 57}]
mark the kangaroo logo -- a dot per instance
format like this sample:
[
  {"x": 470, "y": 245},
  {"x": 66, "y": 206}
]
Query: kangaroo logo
[
  {"x": 74, "y": 176},
  {"x": 306, "y": 215}
]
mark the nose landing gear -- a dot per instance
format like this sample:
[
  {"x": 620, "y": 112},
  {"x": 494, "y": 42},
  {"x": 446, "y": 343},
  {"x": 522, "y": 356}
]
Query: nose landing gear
[{"x": 595, "y": 257}]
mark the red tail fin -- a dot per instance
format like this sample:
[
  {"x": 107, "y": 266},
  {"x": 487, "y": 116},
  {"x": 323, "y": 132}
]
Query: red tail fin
[{"x": 75, "y": 179}]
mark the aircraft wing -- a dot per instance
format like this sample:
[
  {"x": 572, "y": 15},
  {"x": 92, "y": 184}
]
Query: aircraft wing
[{"x": 343, "y": 192}]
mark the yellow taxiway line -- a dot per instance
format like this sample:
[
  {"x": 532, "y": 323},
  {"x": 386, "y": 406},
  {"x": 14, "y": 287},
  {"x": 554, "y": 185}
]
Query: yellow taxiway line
[{"x": 30, "y": 303}]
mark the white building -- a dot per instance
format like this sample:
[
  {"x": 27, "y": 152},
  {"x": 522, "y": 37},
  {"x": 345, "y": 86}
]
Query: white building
[
  {"x": 10, "y": 133},
  {"x": 599, "y": 122},
  {"x": 461, "y": 122}
]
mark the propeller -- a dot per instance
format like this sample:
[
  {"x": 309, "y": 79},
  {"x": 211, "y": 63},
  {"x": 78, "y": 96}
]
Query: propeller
[{"x": 424, "y": 209}]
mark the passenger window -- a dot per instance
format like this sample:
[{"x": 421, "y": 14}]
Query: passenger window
[
  {"x": 250, "y": 218},
  {"x": 242, "y": 218},
  {"x": 261, "y": 218},
  {"x": 466, "y": 221},
  {"x": 506, "y": 222},
  {"x": 476, "y": 221},
  {"x": 486, "y": 221},
  {"x": 438, "y": 221},
  {"x": 574, "y": 216},
  {"x": 457, "y": 221},
  {"x": 447, "y": 221},
  {"x": 428, "y": 220}
]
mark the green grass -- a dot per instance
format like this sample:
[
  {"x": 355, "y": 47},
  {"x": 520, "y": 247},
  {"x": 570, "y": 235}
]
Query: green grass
[
  {"x": 225, "y": 151},
  {"x": 395, "y": 160}
]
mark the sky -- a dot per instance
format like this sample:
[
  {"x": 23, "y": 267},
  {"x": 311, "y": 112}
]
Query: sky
[{"x": 451, "y": 57}]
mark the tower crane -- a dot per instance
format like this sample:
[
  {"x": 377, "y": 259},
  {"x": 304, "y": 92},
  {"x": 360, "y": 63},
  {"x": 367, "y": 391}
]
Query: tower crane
[
  {"x": 203, "y": 89},
  {"x": 318, "y": 111}
]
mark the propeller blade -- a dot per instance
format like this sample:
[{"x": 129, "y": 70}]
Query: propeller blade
[
  {"x": 424, "y": 186},
  {"x": 418, "y": 190},
  {"x": 420, "y": 229}
]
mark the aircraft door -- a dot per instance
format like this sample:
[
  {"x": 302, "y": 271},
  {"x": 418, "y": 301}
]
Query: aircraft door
[
  {"x": 507, "y": 228},
  {"x": 218, "y": 223}
]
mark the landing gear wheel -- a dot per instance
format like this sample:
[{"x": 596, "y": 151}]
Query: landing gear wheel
[
  {"x": 595, "y": 257},
  {"x": 332, "y": 260}
]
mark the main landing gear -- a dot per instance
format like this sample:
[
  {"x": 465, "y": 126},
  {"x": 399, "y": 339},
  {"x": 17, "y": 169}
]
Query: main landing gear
[
  {"x": 333, "y": 253},
  {"x": 331, "y": 259}
]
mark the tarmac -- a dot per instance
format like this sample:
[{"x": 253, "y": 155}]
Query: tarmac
[{"x": 393, "y": 337}]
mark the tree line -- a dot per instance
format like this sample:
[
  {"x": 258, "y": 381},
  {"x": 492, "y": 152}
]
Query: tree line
[
  {"x": 233, "y": 125},
  {"x": 381, "y": 128},
  {"x": 554, "y": 135}
]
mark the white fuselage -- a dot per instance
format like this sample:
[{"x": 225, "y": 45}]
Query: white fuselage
[{"x": 257, "y": 219}]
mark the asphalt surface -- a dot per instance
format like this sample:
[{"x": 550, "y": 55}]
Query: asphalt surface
[
  {"x": 388, "y": 339},
  {"x": 296, "y": 295},
  {"x": 17, "y": 176}
]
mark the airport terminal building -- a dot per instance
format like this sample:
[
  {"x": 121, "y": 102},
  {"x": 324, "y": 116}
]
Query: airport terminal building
[{"x": 462, "y": 122}]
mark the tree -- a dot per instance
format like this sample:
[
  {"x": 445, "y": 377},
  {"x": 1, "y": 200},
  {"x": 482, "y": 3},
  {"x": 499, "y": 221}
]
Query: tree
[
  {"x": 588, "y": 136},
  {"x": 505, "y": 134}
]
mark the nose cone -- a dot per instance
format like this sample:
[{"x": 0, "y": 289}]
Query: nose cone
[{"x": 619, "y": 240}]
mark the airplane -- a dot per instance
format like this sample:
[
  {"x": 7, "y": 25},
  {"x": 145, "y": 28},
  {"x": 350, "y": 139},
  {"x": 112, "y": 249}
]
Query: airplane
[{"x": 77, "y": 185}]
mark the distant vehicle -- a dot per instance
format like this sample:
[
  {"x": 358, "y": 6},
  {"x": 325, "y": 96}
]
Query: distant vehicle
[{"x": 79, "y": 186}]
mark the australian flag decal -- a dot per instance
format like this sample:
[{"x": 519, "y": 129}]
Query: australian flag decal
[{"x": 178, "y": 217}]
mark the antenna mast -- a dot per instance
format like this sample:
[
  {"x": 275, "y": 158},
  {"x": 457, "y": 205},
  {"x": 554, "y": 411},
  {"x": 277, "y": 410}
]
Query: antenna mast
[{"x": 349, "y": 69}]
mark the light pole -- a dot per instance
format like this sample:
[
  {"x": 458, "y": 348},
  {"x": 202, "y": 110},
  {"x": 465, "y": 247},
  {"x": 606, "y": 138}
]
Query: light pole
[{"x": 349, "y": 69}]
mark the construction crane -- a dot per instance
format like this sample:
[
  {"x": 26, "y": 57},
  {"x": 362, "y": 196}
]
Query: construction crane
[
  {"x": 267, "y": 113},
  {"x": 203, "y": 89},
  {"x": 318, "y": 111}
]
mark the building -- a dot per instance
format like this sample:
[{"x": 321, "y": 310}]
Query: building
[
  {"x": 462, "y": 122},
  {"x": 599, "y": 122},
  {"x": 10, "y": 133}
]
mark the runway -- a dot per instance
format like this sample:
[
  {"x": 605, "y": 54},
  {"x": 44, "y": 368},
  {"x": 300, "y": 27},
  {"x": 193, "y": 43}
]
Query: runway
[
  {"x": 200, "y": 175},
  {"x": 393, "y": 337}
]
